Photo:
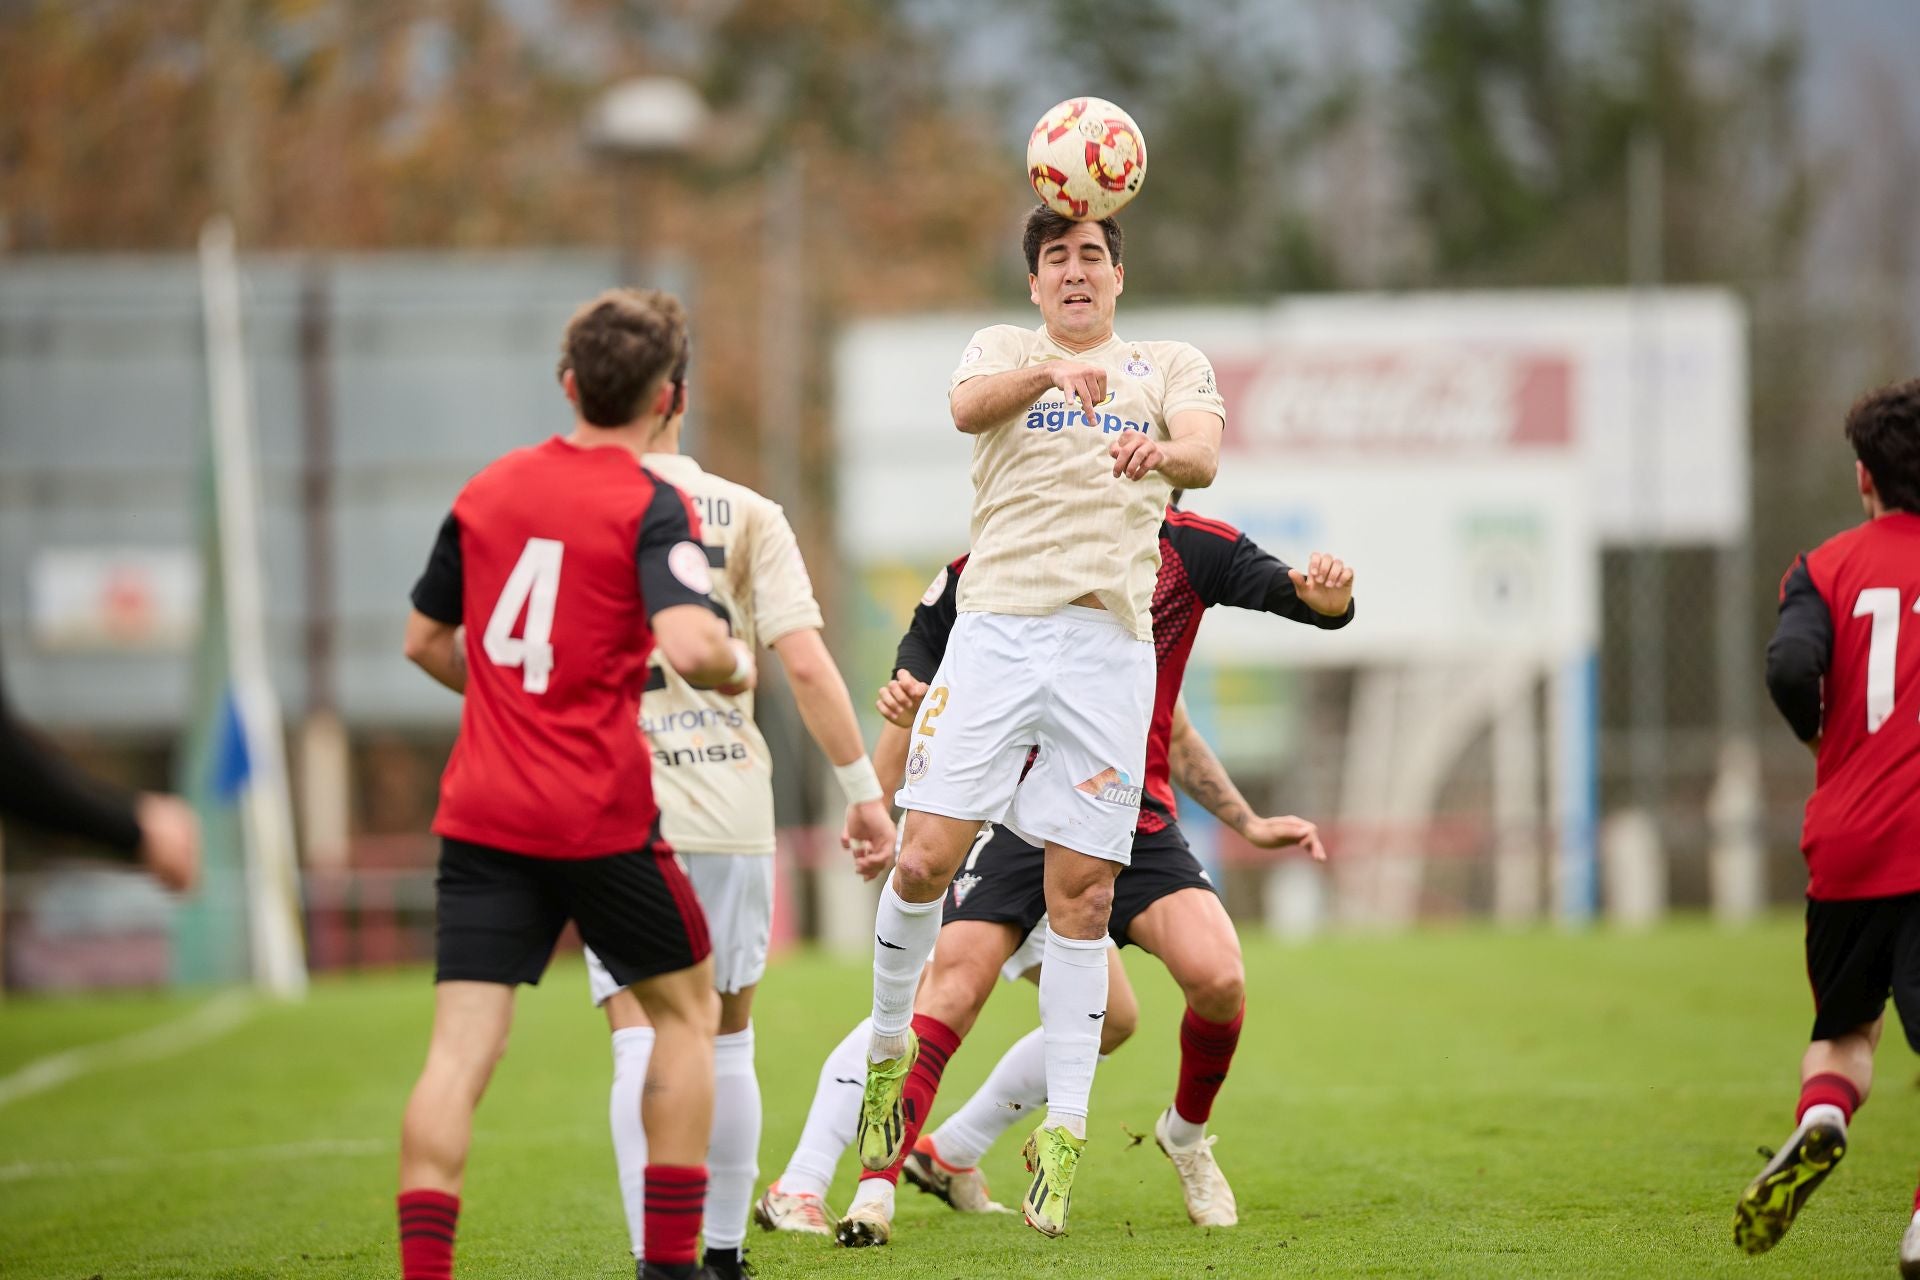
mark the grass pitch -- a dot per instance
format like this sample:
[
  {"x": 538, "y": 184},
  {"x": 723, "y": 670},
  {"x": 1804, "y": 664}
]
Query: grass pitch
[{"x": 1446, "y": 1104}]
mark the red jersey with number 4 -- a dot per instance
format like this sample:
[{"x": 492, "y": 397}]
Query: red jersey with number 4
[
  {"x": 1861, "y": 836},
  {"x": 555, "y": 558}
]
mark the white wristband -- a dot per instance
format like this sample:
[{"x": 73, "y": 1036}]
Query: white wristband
[
  {"x": 743, "y": 666},
  {"x": 858, "y": 781}
]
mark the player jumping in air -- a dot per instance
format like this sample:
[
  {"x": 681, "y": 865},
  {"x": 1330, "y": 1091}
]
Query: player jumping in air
[
  {"x": 1079, "y": 439},
  {"x": 1844, "y": 669},
  {"x": 713, "y": 777},
  {"x": 1163, "y": 902},
  {"x": 567, "y": 564}
]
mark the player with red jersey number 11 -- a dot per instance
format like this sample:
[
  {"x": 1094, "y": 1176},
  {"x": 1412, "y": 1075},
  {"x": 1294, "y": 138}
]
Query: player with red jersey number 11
[
  {"x": 568, "y": 564},
  {"x": 1844, "y": 668}
]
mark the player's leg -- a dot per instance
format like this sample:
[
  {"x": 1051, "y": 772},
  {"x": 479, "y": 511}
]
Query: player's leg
[
  {"x": 966, "y": 965},
  {"x": 1906, "y": 1000},
  {"x": 796, "y": 1200},
  {"x": 498, "y": 916},
  {"x": 946, "y": 1162},
  {"x": 737, "y": 891},
  {"x": 639, "y": 913},
  {"x": 968, "y": 748},
  {"x": 1192, "y": 935},
  {"x": 1850, "y": 957},
  {"x": 632, "y": 1039}
]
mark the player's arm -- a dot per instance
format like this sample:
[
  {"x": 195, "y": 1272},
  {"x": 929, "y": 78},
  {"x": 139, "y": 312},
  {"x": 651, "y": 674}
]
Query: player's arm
[
  {"x": 1245, "y": 575},
  {"x": 1190, "y": 458},
  {"x": 689, "y": 633},
  {"x": 1199, "y": 773},
  {"x": 984, "y": 402},
  {"x": 434, "y": 641},
  {"x": 827, "y": 711},
  {"x": 890, "y": 756},
  {"x": 1799, "y": 653}
]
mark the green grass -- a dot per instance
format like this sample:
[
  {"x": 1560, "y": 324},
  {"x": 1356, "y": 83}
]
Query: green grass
[{"x": 1447, "y": 1104}]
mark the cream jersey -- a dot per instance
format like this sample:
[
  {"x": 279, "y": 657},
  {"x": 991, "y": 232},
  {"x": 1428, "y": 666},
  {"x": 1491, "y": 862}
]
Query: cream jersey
[
  {"x": 1051, "y": 522},
  {"x": 712, "y": 773}
]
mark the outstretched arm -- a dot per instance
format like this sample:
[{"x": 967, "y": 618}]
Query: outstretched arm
[{"x": 1198, "y": 772}]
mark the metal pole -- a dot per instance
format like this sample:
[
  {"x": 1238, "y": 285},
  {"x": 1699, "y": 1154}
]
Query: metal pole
[
  {"x": 325, "y": 775},
  {"x": 1647, "y": 637}
]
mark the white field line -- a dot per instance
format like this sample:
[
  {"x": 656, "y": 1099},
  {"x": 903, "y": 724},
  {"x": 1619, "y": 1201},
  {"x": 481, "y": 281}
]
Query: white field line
[{"x": 208, "y": 1022}]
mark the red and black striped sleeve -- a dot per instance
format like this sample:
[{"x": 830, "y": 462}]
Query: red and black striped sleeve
[
  {"x": 1800, "y": 651},
  {"x": 1227, "y": 567},
  {"x": 925, "y": 644},
  {"x": 41, "y": 786},
  {"x": 672, "y": 564}
]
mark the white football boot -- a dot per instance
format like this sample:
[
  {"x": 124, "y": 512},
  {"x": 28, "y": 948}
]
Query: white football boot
[
  {"x": 1209, "y": 1199},
  {"x": 778, "y": 1211}
]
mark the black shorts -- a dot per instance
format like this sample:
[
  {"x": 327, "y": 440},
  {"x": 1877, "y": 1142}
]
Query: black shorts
[
  {"x": 1859, "y": 952},
  {"x": 1003, "y": 881},
  {"x": 500, "y": 914}
]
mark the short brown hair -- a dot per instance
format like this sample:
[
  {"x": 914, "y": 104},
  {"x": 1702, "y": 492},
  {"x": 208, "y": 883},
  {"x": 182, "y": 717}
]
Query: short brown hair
[
  {"x": 1044, "y": 226},
  {"x": 621, "y": 346},
  {"x": 1884, "y": 429}
]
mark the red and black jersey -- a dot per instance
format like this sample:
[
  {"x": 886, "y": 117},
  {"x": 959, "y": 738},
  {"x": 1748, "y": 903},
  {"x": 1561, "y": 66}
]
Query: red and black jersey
[
  {"x": 1202, "y": 563},
  {"x": 555, "y": 558},
  {"x": 1844, "y": 665}
]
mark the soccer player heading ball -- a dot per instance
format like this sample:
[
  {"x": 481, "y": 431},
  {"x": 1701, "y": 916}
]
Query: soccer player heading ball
[
  {"x": 1080, "y": 437},
  {"x": 1844, "y": 669}
]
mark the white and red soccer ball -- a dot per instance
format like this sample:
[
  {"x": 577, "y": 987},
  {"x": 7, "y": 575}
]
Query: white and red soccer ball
[{"x": 1086, "y": 158}]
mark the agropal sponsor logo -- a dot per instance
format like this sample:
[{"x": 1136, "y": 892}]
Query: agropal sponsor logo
[{"x": 1057, "y": 415}]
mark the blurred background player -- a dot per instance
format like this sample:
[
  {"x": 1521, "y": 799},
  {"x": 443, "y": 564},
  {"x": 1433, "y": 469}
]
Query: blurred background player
[
  {"x": 41, "y": 786},
  {"x": 1163, "y": 901},
  {"x": 713, "y": 778},
  {"x": 567, "y": 564},
  {"x": 1079, "y": 439},
  {"x": 1844, "y": 669}
]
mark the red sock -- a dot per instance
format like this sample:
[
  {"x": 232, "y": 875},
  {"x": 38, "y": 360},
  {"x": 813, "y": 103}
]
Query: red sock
[
  {"x": 1916, "y": 1200},
  {"x": 1830, "y": 1088},
  {"x": 1206, "y": 1051},
  {"x": 937, "y": 1043},
  {"x": 427, "y": 1219},
  {"x": 675, "y": 1195}
]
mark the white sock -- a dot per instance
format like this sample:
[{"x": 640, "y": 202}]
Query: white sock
[
  {"x": 733, "y": 1151},
  {"x": 833, "y": 1119},
  {"x": 1184, "y": 1132},
  {"x": 1073, "y": 1000},
  {"x": 1016, "y": 1087},
  {"x": 632, "y": 1046},
  {"x": 903, "y": 937},
  {"x": 1824, "y": 1112},
  {"x": 874, "y": 1191}
]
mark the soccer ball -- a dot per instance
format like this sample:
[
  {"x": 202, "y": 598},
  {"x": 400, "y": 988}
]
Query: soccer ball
[{"x": 1086, "y": 158}]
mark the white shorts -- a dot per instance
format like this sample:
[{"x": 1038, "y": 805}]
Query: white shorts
[
  {"x": 736, "y": 892},
  {"x": 1075, "y": 683}
]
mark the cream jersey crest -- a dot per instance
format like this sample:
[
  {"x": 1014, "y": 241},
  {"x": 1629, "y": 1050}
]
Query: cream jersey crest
[
  {"x": 712, "y": 772},
  {"x": 1051, "y": 522}
]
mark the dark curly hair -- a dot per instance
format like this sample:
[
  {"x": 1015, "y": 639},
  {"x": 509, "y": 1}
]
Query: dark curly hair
[
  {"x": 1044, "y": 226},
  {"x": 1884, "y": 429}
]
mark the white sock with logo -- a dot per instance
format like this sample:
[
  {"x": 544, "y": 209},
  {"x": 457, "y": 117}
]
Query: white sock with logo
[
  {"x": 903, "y": 937},
  {"x": 1016, "y": 1087},
  {"x": 733, "y": 1152},
  {"x": 1073, "y": 1004},
  {"x": 833, "y": 1119},
  {"x": 632, "y": 1047}
]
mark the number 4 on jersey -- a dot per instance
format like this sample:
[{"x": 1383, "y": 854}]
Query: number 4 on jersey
[
  {"x": 533, "y": 586},
  {"x": 1882, "y": 604}
]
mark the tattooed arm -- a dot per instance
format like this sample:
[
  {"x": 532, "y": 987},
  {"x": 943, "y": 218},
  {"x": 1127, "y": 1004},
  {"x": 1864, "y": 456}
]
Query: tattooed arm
[{"x": 1199, "y": 773}]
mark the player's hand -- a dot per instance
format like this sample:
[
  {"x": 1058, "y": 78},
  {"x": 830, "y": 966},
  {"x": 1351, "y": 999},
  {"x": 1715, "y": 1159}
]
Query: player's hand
[
  {"x": 746, "y": 671},
  {"x": 900, "y": 698},
  {"x": 1284, "y": 833},
  {"x": 868, "y": 836},
  {"x": 169, "y": 840},
  {"x": 1135, "y": 453},
  {"x": 1088, "y": 382},
  {"x": 1325, "y": 586}
]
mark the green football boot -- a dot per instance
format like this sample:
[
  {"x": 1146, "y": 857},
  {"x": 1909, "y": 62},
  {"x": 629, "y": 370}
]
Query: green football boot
[
  {"x": 883, "y": 1129},
  {"x": 1052, "y": 1155}
]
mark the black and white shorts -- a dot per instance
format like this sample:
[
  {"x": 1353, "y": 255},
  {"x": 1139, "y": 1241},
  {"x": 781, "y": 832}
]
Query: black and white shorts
[
  {"x": 1860, "y": 951},
  {"x": 500, "y": 913},
  {"x": 1003, "y": 881}
]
